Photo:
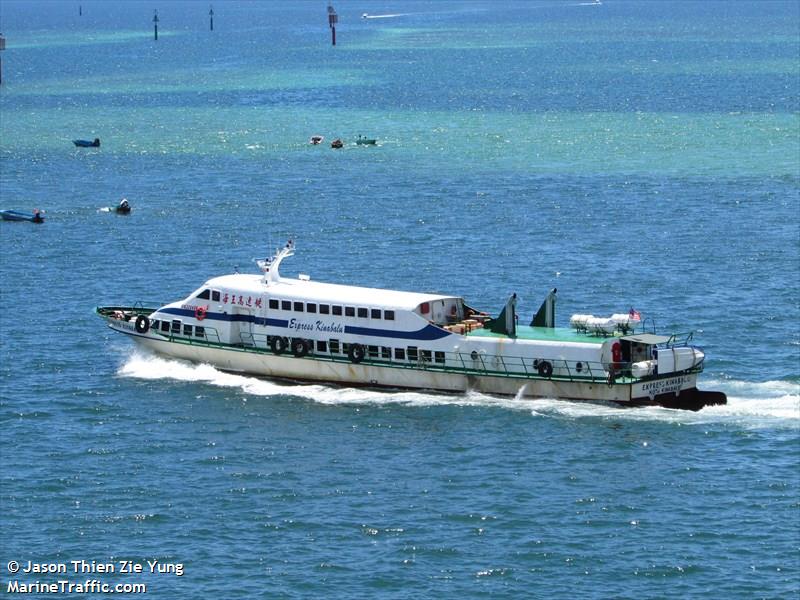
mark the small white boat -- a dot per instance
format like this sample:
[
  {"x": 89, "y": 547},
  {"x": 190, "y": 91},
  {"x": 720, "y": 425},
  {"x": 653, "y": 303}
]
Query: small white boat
[{"x": 316, "y": 139}]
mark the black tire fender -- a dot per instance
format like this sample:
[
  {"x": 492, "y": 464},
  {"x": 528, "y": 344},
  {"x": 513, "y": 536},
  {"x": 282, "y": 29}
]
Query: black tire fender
[
  {"x": 142, "y": 324},
  {"x": 278, "y": 344},
  {"x": 299, "y": 347},
  {"x": 355, "y": 353},
  {"x": 545, "y": 368}
]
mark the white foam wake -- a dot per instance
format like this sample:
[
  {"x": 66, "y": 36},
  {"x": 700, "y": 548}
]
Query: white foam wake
[{"x": 750, "y": 404}]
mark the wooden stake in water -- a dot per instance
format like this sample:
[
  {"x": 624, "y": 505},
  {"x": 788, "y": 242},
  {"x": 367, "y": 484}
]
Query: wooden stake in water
[
  {"x": 2, "y": 47},
  {"x": 155, "y": 25},
  {"x": 333, "y": 18},
  {"x": 211, "y": 16}
]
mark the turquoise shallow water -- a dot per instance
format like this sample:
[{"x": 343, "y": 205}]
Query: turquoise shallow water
[{"x": 631, "y": 154}]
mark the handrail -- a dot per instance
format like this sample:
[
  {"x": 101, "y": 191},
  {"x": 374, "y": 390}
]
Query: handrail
[
  {"x": 468, "y": 363},
  {"x": 455, "y": 362}
]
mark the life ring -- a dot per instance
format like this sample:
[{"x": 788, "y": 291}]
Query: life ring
[
  {"x": 277, "y": 344},
  {"x": 200, "y": 313},
  {"x": 142, "y": 324},
  {"x": 545, "y": 368},
  {"x": 355, "y": 353},
  {"x": 299, "y": 347}
]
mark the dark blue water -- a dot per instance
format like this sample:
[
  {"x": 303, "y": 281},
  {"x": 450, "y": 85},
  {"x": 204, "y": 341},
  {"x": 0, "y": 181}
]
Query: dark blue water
[{"x": 631, "y": 154}]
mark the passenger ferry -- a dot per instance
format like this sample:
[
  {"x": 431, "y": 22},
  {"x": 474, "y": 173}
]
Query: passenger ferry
[{"x": 304, "y": 330}]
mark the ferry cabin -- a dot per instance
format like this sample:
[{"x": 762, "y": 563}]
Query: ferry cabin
[{"x": 304, "y": 317}]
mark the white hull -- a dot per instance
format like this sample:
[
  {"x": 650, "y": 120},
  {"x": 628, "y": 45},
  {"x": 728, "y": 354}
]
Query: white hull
[{"x": 346, "y": 373}]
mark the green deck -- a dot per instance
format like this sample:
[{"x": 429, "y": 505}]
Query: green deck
[{"x": 544, "y": 334}]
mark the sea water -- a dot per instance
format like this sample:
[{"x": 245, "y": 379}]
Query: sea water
[{"x": 631, "y": 154}]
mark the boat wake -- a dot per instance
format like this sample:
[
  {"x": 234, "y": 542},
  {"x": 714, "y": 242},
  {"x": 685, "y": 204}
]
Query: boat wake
[
  {"x": 750, "y": 404},
  {"x": 366, "y": 16}
]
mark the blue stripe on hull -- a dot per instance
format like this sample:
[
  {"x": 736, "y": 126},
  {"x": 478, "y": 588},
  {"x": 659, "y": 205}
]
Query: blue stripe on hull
[{"x": 426, "y": 334}]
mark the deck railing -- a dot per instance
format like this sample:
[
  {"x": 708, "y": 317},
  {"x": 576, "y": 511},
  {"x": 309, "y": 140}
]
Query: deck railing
[{"x": 466, "y": 363}]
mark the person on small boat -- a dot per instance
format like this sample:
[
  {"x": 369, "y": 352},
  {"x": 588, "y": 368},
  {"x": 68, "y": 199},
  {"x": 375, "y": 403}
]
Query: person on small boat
[
  {"x": 124, "y": 207},
  {"x": 37, "y": 216},
  {"x": 337, "y": 143}
]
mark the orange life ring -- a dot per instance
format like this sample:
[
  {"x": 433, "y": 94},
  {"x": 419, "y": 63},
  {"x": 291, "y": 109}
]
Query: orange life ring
[{"x": 200, "y": 313}]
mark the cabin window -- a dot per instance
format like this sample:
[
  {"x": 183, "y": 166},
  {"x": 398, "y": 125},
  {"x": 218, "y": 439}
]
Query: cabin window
[
  {"x": 336, "y": 310},
  {"x": 176, "y": 326},
  {"x": 362, "y": 313},
  {"x": 165, "y": 326},
  {"x": 373, "y": 351},
  {"x": 155, "y": 324},
  {"x": 375, "y": 313},
  {"x": 298, "y": 307},
  {"x": 413, "y": 353},
  {"x": 345, "y": 348},
  {"x": 388, "y": 315},
  {"x": 187, "y": 329},
  {"x": 349, "y": 311},
  {"x": 312, "y": 308},
  {"x": 426, "y": 355},
  {"x": 324, "y": 309},
  {"x": 334, "y": 346},
  {"x": 215, "y": 295},
  {"x": 386, "y": 353},
  {"x": 438, "y": 357},
  {"x": 199, "y": 331},
  {"x": 322, "y": 346},
  {"x": 205, "y": 294},
  {"x": 286, "y": 305},
  {"x": 400, "y": 353},
  {"x": 273, "y": 304}
]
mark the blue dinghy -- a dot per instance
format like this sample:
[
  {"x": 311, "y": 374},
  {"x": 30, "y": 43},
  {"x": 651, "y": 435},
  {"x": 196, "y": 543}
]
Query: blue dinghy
[
  {"x": 87, "y": 144},
  {"x": 14, "y": 215}
]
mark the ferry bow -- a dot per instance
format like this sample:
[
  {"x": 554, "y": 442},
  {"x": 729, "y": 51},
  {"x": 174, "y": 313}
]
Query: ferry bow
[{"x": 304, "y": 330}]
